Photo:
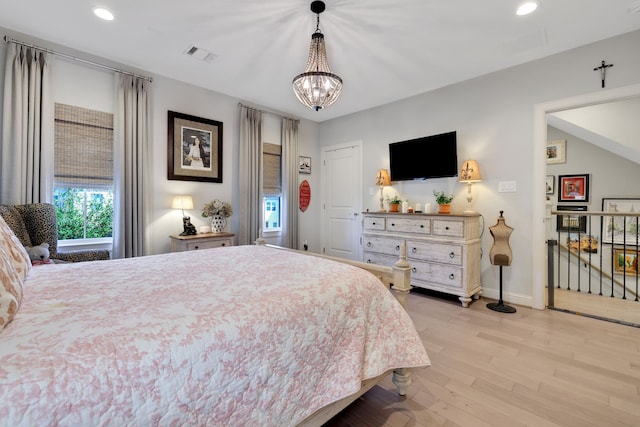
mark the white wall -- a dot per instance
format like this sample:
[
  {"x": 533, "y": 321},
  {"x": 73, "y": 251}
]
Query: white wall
[
  {"x": 78, "y": 84},
  {"x": 494, "y": 118}
]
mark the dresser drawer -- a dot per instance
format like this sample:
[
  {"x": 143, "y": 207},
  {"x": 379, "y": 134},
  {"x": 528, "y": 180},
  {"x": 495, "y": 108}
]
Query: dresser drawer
[
  {"x": 192, "y": 246},
  {"x": 438, "y": 252},
  {"x": 446, "y": 275},
  {"x": 409, "y": 225},
  {"x": 382, "y": 245},
  {"x": 379, "y": 259},
  {"x": 374, "y": 223},
  {"x": 448, "y": 228}
]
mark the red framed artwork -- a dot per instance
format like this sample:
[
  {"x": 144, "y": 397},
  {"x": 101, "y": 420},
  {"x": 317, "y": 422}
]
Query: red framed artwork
[{"x": 573, "y": 188}]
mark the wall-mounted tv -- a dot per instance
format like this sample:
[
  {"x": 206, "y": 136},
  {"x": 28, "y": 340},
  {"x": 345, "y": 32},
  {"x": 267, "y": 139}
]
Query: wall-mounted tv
[{"x": 432, "y": 156}]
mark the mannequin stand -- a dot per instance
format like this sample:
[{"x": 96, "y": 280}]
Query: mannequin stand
[{"x": 500, "y": 305}]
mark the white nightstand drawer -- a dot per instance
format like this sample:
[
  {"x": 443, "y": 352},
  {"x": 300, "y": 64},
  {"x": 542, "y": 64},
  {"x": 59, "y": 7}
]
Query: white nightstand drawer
[
  {"x": 201, "y": 241},
  {"x": 409, "y": 225},
  {"x": 194, "y": 246},
  {"x": 374, "y": 223},
  {"x": 448, "y": 228}
]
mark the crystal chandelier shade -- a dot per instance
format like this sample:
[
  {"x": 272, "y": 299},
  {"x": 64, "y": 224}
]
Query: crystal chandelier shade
[{"x": 317, "y": 87}]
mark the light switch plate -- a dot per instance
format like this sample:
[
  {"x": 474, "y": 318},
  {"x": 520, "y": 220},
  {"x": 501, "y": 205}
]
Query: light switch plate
[{"x": 506, "y": 187}]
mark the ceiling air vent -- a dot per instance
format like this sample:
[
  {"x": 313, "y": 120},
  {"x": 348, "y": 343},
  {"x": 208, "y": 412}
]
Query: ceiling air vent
[{"x": 199, "y": 53}]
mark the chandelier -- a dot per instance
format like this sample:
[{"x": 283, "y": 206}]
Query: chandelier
[{"x": 317, "y": 87}]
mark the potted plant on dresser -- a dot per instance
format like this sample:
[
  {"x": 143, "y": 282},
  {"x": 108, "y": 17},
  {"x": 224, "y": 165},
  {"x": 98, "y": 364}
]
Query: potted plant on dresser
[
  {"x": 394, "y": 203},
  {"x": 444, "y": 201}
]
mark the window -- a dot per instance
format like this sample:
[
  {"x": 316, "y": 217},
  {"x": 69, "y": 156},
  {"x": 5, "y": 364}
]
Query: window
[
  {"x": 272, "y": 187},
  {"x": 83, "y": 173}
]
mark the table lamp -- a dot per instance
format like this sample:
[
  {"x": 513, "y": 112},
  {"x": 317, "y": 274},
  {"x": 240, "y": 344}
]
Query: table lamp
[
  {"x": 382, "y": 179},
  {"x": 182, "y": 203},
  {"x": 470, "y": 173}
]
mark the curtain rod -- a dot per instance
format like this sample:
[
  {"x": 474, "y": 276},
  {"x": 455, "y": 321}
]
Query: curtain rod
[
  {"x": 240, "y": 104},
  {"x": 74, "y": 58}
]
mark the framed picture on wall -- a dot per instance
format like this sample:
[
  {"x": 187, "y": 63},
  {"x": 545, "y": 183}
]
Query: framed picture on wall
[
  {"x": 550, "y": 186},
  {"x": 194, "y": 148},
  {"x": 625, "y": 260},
  {"x": 304, "y": 165},
  {"x": 556, "y": 152},
  {"x": 573, "y": 188},
  {"x": 620, "y": 229},
  {"x": 571, "y": 222}
]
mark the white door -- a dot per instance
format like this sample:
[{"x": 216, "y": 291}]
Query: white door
[{"x": 341, "y": 200}]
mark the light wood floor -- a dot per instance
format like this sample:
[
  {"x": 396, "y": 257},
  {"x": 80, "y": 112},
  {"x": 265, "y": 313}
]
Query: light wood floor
[
  {"x": 627, "y": 310},
  {"x": 530, "y": 368}
]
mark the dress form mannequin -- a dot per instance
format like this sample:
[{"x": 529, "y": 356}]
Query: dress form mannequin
[{"x": 500, "y": 254}]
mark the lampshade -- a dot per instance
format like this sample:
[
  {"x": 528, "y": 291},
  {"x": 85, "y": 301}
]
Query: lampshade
[
  {"x": 182, "y": 202},
  {"x": 382, "y": 177},
  {"x": 470, "y": 172},
  {"x": 317, "y": 87}
]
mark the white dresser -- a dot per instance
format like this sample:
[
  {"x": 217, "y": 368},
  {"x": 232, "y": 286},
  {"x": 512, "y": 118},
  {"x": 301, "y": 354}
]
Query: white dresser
[{"x": 443, "y": 249}]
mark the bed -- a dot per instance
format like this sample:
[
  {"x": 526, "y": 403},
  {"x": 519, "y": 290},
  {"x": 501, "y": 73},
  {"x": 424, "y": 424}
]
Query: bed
[{"x": 236, "y": 336}]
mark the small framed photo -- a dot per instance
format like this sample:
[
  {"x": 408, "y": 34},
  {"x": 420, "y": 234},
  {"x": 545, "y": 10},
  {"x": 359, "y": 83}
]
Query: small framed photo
[
  {"x": 625, "y": 260},
  {"x": 556, "y": 152},
  {"x": 304, "y": 165},
  {"x": 550, "y": 186},
  {"x": 620, "y": 229},
  {"x": 573, "y": 188},
  {"x": 571, "y": 222},
  {"x": 194, "y": 148}
]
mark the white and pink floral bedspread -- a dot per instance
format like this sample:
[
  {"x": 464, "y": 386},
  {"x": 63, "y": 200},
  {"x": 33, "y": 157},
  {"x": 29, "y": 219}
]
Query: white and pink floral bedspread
[{"x": 239, "y": 336}]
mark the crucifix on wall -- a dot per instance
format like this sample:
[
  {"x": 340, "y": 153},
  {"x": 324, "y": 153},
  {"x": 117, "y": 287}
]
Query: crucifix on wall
[{"x": 603, "y": 71}]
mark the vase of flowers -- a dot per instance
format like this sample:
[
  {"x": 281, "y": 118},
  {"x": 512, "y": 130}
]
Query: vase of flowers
[{"x": 218, "y": 211}]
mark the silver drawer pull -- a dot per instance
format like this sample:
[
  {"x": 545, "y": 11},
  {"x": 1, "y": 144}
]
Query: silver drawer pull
[
  {"x": 398, "y": 248},
  {"x": 451, "y": 276},
  {"x": 452, "y": 255},
  {"x": 414, "y": 270},
  {"x": 368, "y": 244},
  {"x": 414, "y": 250}
]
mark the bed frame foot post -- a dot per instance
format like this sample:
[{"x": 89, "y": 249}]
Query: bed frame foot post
[
  {"x": 260, "y": 241},
  {"x": 402, "y": 380},
  {"x": 402, "y": 276}
]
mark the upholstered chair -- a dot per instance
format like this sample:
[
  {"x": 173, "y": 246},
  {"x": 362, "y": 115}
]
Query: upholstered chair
[{"x": 37, "y": 223}]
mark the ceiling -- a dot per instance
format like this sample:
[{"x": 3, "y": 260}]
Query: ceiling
[{"x": 384, "y": 50}]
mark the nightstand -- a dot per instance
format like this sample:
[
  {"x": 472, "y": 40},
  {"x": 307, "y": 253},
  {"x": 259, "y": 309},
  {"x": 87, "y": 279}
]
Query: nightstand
[{"x": 200, "y": 241}]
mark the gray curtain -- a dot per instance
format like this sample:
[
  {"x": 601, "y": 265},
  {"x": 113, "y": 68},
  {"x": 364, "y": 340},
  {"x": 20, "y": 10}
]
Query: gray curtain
[
  {"x": 131, "y": 167},
  {"x": 290, "y": 183},
  {"x": 250, "y": 176},
  {"x": 27, "y": 158}
]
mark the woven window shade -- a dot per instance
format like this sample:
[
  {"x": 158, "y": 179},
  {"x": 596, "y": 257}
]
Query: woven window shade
[
  {"x": 83, "y": 148},
  {"x": 271, "y": 155}
]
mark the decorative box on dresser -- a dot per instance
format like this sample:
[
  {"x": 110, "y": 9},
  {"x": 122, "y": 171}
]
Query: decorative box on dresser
[
  {"x": 443, "y": 249},
  {"x": 200, "y": 241}
]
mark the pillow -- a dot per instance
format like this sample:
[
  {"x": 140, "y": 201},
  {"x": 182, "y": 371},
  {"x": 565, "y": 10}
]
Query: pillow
[
  {"x": 10, "y": 290},
  {"x": 15, "y": 251}
]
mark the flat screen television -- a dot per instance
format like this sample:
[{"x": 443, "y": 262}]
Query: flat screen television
[{"x": 432, "y": 156}]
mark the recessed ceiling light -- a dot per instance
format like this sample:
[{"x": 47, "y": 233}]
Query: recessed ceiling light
[
  {"x": 103, "y": 13},
  {"x": 527, "y": 8}
]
